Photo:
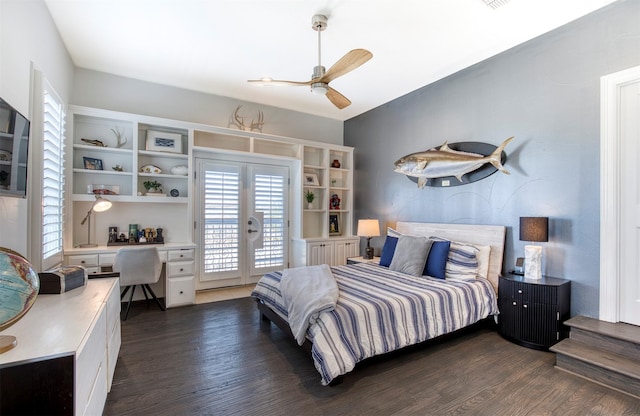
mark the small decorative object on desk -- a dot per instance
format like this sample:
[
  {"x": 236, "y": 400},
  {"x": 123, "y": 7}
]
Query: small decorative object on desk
[
  {"x": 336, "y": 163},
  {"x": 118, "y": 168},
  {"x": 174, "y": 193},
  {"x": 159, "y": 237},
  {"x": 334, "y": 224},
  {"x": 113, "y": 234}
]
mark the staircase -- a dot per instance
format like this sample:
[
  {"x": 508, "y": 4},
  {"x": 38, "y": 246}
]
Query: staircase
[{"x": 603, "y": 352}]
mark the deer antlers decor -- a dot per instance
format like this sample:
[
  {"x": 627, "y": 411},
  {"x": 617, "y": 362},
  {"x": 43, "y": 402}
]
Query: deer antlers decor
[{"x": 238, "y": 121}]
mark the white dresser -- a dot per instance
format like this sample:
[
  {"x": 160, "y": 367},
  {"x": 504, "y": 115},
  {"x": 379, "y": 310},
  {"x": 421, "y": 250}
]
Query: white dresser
[{"x": 66, "y": 355}]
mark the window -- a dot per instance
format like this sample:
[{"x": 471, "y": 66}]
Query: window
[{"x": 52, "y": 177}]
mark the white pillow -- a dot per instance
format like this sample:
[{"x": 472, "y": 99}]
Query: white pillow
[
  {"x": 393, "y": 233},
  {"x": 462, "y": 262},
  {"x": 483, "y": 255}
]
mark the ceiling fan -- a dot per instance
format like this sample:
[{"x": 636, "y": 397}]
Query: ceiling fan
[{"x": 320, "y": 79}]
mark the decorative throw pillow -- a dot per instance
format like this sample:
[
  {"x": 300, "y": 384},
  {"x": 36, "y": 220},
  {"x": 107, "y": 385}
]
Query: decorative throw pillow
[
  {"x": 393, "y": 233},
  {"x": 411, "y": 255},
  {"x": 437, "y": 259},
  {"x": 462, "y": 262},
  {"x": 483, "y": 255},
  {"x": 388, "y": 250}
]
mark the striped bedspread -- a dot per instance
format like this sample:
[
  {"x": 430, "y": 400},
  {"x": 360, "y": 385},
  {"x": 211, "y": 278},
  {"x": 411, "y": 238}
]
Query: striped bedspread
[{"x": 379, "y": 310}]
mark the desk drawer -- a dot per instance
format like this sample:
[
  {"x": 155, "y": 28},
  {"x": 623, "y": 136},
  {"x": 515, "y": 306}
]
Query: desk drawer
[
  {"x": 181, "y": 291},
  {"x": 179, "y": 268},
  {"x": 106, "y": 259},
  {"x": 179, "y": 255},
  {"x": 86, "y": 260}
]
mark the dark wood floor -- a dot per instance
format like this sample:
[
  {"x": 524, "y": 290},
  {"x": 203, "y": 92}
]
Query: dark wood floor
[{"x": 221, "y": 359}]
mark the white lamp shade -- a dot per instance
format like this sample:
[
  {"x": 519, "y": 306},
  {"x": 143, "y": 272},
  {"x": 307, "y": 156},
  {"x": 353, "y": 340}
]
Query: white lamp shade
[
  {"x": 101, "y": 204},
  {"x": 368, "y": 228}
]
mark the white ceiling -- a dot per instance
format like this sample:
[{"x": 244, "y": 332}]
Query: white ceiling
[{"x": 215, "y": 46}]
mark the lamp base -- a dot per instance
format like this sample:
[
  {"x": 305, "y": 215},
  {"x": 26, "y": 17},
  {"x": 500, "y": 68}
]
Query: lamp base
[
  {"x": 533, "y": 262},
  {"x": 87, "y": 245},
  {"x": 368, "y": 253}
]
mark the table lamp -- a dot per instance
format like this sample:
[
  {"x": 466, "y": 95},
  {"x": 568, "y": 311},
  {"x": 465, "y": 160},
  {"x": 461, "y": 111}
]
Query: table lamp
[
  {"x": 534, "y": 229},
  {"x": 99, "y": 205},
  {"x": 368, "y": 228}
]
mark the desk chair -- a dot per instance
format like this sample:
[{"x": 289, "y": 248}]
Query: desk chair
[{"x": 138, "y": 266}]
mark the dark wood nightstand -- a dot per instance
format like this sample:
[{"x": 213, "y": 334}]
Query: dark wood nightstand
[
  {"x": 532, "y": 311},
  {"x": 354, "y": 260}
]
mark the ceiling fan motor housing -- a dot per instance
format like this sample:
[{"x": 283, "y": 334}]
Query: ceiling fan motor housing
[{"x": 319, "y": 22}]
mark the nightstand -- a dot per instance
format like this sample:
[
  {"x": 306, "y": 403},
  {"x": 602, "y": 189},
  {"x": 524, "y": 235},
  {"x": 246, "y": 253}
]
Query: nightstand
[
  {"x": 532, "y": 311},
  {"x": 360, "y": 259}
]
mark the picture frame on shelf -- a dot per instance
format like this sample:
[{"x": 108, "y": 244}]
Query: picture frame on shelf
[
  {"x": 311, "y": 179},
  {"x": 160, "y": 141},
  {"x": 91, "y": 163},
  {"x": 335, "y": 227}
]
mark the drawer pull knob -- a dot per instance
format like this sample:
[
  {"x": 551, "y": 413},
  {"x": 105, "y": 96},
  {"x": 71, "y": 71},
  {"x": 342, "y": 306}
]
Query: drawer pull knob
[
  {"x": 520, "y": 291},
  {"x": 181, "y": 292},
  {"x": 181, "y": 270},
  {"x": 524, "y": 306},
  {"x": 181, "y": 255},
  {"x": 82, "y": 262},
  {"x": 515, "y": 303}
]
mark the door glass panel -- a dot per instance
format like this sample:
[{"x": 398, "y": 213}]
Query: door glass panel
[
  {"x": 269, "y": 198},
  {"x": 221, "y": 231}
]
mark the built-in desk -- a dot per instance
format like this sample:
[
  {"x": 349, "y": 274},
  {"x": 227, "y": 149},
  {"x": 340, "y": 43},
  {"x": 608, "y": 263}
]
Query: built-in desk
[{"x": 177, "y": 283}]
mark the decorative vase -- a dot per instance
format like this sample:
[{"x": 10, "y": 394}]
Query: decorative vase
[
  {"x": 336, "y": 163},
  {"x": 310, "y": 205}
]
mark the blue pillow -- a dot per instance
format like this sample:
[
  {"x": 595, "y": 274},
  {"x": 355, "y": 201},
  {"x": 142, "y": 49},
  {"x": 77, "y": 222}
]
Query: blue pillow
[
  {"x": 388, "y": 250},
  {"x": 437, "y": 260}
]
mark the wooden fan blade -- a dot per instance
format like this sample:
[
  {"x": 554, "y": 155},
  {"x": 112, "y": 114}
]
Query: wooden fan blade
[
  {"x": 275, "y": 82},
  {"x": 347, "y": 63},
  {"x": 337, "y": 99}
]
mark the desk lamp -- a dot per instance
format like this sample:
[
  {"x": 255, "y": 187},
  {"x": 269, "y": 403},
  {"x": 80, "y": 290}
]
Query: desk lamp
[
  {"x": 99, "y": 205},
  {"x": 368, "y": 228},
  {"x": 534, "y": 229}
]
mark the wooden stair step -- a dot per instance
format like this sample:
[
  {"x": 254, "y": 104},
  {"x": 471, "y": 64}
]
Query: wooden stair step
[
  {"x": 619, "y": 330},
  {"x": 604, "y": 367}
]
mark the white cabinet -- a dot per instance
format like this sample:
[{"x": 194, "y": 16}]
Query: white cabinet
[
  {"x": 333, "y": 252},
  {"x": 180, "y": 269}
]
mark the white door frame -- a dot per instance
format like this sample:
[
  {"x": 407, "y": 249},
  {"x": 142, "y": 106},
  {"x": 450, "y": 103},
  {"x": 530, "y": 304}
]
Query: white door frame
[{"x": 610, "y": 148}]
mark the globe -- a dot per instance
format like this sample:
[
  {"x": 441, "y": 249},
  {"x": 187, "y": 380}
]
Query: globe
[{"x": 19, "y": 285}]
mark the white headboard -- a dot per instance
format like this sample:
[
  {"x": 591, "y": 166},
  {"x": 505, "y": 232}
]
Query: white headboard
[{"x": 492, "y": 235}]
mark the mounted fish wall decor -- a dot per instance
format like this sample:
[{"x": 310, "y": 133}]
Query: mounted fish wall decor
[{"x": 453, "y": 164}]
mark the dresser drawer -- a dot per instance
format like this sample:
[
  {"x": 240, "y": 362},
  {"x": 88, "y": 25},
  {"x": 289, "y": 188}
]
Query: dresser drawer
[
  {"x": 179, "y": 255},
  {"x": 525, "y": 292},
  {"x": 90, "y": 361},
  {"x": 181, "y": 291},
  {"x": 179, "y": 268}
]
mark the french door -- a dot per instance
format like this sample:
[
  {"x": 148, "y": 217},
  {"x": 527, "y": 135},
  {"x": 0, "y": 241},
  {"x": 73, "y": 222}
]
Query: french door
[{"x": 242, "y": 224}]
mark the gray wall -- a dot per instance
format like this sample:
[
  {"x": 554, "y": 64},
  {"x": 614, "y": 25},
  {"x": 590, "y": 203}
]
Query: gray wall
[
  {"x": 111, "y": 92},
  {"x": 544, "y": 92}
]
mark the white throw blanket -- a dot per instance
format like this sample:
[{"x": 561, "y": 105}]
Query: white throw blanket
[{"x": 307, "y": 292}]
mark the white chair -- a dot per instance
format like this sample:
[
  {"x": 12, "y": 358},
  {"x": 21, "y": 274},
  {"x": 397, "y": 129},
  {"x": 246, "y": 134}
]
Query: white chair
[{"x": 138, "y": 266}]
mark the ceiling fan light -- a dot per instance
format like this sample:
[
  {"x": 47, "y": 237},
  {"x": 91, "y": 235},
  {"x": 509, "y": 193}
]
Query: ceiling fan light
[{"x": 319, "y": 88}]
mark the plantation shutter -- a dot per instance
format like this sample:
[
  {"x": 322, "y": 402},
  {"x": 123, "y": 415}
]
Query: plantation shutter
[
  {"x": 52, "y": 174},
  {"x": 221, "y": 219},
  {"x": 269, "y": 198}
]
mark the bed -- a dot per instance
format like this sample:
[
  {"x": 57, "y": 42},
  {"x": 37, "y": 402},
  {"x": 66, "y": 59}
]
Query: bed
[{"x": 363, "y": 310}]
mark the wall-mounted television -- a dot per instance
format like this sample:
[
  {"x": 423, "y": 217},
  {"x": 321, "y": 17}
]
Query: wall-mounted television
[{"x": 14, "y": 145}]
